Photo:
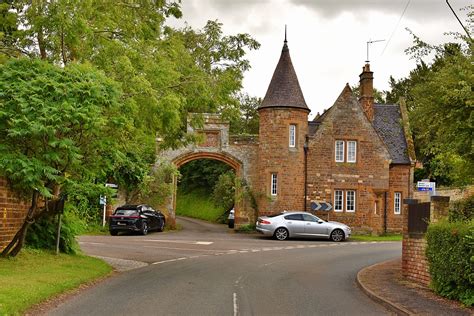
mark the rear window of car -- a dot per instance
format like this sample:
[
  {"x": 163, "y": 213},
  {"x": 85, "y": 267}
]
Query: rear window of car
[{"x": 126, "y": 212}]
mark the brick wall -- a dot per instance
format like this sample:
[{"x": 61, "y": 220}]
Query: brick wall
[
  {"x": 414, "y": 263},
  {"x": 400, "y": 181},
  {"x": 454, "y": 194},
  {"x": 12, "y": 213}
]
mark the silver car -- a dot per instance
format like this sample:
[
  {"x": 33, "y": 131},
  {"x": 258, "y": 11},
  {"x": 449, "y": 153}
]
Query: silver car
[{"x": 301, "y": 224}]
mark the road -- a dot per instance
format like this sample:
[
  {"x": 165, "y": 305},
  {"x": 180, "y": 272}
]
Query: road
[{"x": 207, "y": 270}]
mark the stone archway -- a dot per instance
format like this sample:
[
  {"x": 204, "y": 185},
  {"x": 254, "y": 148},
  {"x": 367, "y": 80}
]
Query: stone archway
[{"x": 239, "y": 152}]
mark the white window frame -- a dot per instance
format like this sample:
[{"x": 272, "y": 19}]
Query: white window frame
[
  {"x": 397, "y": 203},
  {"x": 274, "y": 184},
  {"x": 353, "y": 202},
  {"x": 341, "y": 156},
  {"x": 292, "y": 136},
  {"x": 341, "y": 200},
  {"x": 351, "y": 157}
]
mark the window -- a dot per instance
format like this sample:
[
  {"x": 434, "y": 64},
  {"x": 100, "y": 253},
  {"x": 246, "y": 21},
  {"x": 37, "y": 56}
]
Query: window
[
  {"x": 339, "y": 151},
  {"x": 351, "y": 151},
  {"x": 292, "y": 135},
  {"x": 338, "y": 196},
  {"x": 294, "y": 217},
  {"x": 397, "y": 202},
  {"x": 310, "y": 218},
  {"x": 274, "y": 184},
  {"x": 350, "y": 201}
]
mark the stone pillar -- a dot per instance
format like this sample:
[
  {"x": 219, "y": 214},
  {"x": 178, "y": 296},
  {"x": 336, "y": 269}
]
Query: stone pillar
[{"x": 439, "y": 208}]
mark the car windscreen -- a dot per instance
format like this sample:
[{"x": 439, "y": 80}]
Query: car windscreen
[{"x": 126, "y": 212}]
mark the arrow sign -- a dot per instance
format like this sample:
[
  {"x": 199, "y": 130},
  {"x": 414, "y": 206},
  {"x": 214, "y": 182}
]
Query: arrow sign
[{"x": 321, "y": 206}]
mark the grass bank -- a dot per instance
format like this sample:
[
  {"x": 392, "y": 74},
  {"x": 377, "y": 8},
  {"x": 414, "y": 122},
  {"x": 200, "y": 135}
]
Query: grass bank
[
  {"x": 197, "y": 204},
  {"x": 35, "y": 275},
  {"x": 392, "y": 237}
]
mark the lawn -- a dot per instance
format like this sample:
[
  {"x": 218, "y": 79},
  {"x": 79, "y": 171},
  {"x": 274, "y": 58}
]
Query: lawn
[
  {"x": 34, "y": 276},
  {"x": 392, "y": 237},
  {"x": 197, "y": 204}
]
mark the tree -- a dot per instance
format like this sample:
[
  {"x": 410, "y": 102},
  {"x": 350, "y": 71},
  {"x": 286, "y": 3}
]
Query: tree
[
  {"x": 61, "y": 129},
  {"x": 243, "y": 117},
  {"x": 440, "y": 103}
]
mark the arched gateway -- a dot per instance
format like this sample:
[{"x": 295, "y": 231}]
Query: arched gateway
[{"x": 239, "y": 152}]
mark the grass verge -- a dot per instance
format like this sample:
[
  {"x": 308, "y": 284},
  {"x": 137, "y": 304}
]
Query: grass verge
[
  {"x": 197, "y": 204},
  {"x": 391, "y": 237},
  {"x": 36, "y": 275}
]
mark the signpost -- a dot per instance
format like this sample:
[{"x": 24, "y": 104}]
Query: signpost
[
  {"x": 321, "y": 206},
  {"x": 103, "y": 200},
  {"x": 426, "y": 186}
]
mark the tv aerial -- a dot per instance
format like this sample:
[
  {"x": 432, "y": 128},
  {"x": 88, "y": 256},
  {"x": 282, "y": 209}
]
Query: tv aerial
[{"x": 371, "y": 42}]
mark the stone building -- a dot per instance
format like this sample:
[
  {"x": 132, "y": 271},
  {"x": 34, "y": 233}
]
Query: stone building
[{"x": 357, "y": 156}]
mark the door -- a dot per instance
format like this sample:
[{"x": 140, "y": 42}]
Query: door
[
  {"x": 295, "y": 224},
  {"x": 314, "y": 226}
]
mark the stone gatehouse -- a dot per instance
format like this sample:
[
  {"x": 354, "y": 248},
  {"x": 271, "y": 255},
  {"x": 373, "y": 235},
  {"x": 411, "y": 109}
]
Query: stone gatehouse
[{"x": 357, "y": 156}]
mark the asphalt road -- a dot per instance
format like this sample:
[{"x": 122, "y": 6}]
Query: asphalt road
[{"x": 207, "y": 270}]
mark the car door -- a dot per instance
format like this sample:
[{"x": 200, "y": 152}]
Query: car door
[
  {"x": 314, "y": 226},
  {"x": 151, "y": 218},
  {"x": 295, "y": 224}
]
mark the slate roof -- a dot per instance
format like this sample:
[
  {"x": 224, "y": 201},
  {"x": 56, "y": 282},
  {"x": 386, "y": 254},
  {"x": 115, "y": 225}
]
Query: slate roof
[
  {"x": 284, "y": 89},
  {"x": 388, "y": 124}
]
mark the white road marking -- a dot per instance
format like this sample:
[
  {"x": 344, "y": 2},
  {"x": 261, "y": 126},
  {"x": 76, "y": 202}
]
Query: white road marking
[
  {"x": 206, "y": 243},
  {"x": 186, "y": 249},
  {"x": 170, "y": 260},
  {"x": 236, "y": 307}
]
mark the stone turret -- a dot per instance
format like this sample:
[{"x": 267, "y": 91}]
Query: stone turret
[{"x": 282, "y": 134}]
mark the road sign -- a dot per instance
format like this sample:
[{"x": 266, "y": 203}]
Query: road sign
[
  {"x": 321, "y": 206},
  {"x": 426, "y": 186},
  {"x": 102, "y": 200}
]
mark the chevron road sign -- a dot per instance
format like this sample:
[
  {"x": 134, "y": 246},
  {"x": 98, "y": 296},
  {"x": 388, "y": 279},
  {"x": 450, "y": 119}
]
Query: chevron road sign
[{"x": 321, "y": 206}]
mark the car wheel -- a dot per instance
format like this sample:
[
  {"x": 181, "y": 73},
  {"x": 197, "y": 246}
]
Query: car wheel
[
  {"x": 337, "y": 235},
  {"x": 162, "y": 226},
  {"x": 113, "y": 232},
  {"x": 144, "y": 228},
  {"x": 281, "y": 233}
]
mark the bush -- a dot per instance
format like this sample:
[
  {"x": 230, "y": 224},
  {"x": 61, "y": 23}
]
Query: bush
[
  {"x": 462, "y": 210},
  {"x": 42, "y": 234},
  {"x": 450, "y": 253}
]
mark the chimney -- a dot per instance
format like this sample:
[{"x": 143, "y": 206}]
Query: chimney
[{"x": 366, "y": 98}]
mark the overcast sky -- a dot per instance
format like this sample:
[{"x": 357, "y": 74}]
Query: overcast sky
[{"x": 327, "y": 38}]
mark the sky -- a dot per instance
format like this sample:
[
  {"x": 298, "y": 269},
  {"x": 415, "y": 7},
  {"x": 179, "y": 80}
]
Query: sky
[{"x": 328, "y": 38}]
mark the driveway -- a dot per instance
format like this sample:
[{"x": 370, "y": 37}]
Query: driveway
[{"x": 205, "y": 269}]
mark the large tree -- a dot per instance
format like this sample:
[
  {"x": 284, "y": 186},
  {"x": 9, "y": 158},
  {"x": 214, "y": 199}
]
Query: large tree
[
  {"x": 61, "y": 129},
  {"x": 439, "y": 93}
]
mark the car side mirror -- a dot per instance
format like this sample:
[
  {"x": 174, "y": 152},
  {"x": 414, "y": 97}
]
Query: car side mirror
[{"x": 320, "y": 221}]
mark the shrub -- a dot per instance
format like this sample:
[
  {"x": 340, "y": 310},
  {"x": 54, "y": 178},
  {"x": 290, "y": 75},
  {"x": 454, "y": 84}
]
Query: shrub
[
  {"x": 42, "y": 234},
  {"x": 450, "y": 253},
  {"x": 462, "y": 210}
]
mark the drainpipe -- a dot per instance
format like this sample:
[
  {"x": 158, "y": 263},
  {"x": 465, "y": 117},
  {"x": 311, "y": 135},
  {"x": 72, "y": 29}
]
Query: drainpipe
[
  {"x": 385, "y": 213},
  {"x": 305, "y": 147}
]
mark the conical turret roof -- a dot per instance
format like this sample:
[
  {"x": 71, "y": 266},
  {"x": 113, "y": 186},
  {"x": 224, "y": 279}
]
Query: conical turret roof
[{"x": 284, "y": 89}]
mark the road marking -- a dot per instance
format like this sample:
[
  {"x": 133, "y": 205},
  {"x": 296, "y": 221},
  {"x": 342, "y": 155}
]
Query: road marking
[
  {"x": 186, "y": 249},
  {"x": 170, "y": 260},
  {"x": 205, "y": 243},
  {"x": 236, "y": 307}
]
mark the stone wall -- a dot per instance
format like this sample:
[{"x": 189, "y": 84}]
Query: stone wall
[
  {"x": 454, "y": 194},
  {"x": 12, "y": 214},
  {"x": 369, "y": 176}
]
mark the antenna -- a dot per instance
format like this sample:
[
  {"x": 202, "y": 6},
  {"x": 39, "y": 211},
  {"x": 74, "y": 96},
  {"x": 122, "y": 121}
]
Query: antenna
[{"x": 370, "y": 42}]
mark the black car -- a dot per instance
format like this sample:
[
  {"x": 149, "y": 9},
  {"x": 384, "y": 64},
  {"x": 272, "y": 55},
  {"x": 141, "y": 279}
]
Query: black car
[{"x": 136, "y": 218}]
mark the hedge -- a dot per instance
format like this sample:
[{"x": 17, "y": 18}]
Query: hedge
[{"x": 450, "y": 253}]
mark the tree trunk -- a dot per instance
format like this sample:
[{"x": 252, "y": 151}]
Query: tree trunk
[{"x": 14, "y": 247}]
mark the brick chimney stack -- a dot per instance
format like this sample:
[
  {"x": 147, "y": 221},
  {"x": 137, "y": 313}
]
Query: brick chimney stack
[{"x": 366, "y": 98}]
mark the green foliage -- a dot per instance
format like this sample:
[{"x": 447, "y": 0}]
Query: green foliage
[
  {"x": 462, "y": 210},
  {"x": 201, "y": 173},
  {"x": 243, "y": 116},
  {"x": 223, "y": 194},
  {"x": 198, "y": 204},
  {"x": 42, "y": 234},
  {"x": 248, "y": 228},
  {"x": 439, "y": 100},
  {"x": 379, "y": 96},
  {"x": 450, "y": 253}
]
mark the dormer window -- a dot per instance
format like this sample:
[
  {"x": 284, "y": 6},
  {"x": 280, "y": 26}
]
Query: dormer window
[{"x": 292, "y": 142}]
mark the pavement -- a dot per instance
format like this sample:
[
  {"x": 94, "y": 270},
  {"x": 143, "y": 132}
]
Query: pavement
[{"x": 383, "y": 282}]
